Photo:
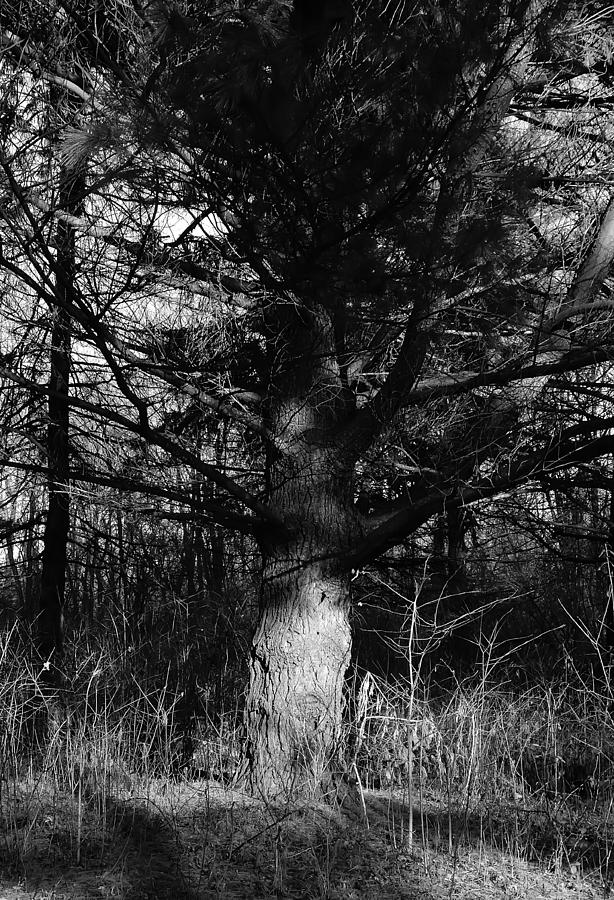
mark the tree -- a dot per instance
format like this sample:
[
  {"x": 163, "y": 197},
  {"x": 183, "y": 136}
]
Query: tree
[
  {"x": 369, "y": 281},
  {"x": 59, "y": 109},
  {"x": 57, "y": 521}
]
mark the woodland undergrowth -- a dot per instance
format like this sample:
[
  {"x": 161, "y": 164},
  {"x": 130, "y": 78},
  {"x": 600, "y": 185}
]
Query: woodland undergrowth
[{"x": 111, "y": 764}]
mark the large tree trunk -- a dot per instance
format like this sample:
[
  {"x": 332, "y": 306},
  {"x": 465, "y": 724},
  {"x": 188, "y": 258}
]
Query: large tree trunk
[
  {"x": 301, "y": 648},
  {"x": 300, "y": 654}
]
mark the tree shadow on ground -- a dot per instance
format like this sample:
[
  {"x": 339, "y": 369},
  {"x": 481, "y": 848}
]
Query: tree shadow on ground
[
  {"x": 200, "y": 841},
  {"x": 146, "y": 847},
  {"x": 111, "y": 848}
]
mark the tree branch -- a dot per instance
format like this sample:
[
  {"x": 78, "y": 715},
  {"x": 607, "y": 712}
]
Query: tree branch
[
  {"x": 163, "y": 440},
  {"x": 406, "y": 521}
]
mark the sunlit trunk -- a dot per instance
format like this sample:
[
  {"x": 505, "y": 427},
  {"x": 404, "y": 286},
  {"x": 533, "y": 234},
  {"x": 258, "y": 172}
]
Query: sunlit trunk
[
  {"x": 300, "y": 654},
  {"x": 301, "y": 648}
]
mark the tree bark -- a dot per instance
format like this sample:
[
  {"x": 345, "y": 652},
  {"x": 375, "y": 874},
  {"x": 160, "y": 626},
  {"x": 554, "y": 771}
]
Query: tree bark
[
  {"x": 57, "y": 522},
  {"x": 301, "y": 648},
  {"x": 607, "y": 640},
  {"x": 300, "y": 654}
]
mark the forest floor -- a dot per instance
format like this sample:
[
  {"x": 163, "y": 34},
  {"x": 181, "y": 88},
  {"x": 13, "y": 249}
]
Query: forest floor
[{"x": 199, "y": 840}]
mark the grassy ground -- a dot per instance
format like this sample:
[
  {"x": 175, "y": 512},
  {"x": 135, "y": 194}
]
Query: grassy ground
[
  {"x": 195, "y": 840},
  {"x": 480, "y": 791}
]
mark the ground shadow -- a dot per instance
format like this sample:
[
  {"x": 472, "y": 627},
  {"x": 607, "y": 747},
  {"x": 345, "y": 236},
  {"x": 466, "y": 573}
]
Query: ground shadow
[
  {"x": 116, "y": 848},
  {"x": 145, "y": 844},
  {"x": 198, "y": 842}
]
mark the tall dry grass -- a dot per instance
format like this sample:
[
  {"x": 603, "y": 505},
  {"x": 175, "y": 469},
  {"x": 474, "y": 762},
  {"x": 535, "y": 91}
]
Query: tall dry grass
[{"x": 481, "y": 764}]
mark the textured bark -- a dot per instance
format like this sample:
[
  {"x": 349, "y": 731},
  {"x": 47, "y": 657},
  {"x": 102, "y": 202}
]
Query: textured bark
[
  {"x": 301, "y": 648},
  {"x": 300, "y": 654}
]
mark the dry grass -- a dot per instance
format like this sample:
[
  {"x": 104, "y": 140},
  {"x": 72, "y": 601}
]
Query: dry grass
[
  {"x": 198, "y": 840},
  {"x": 482, "y": 793}
]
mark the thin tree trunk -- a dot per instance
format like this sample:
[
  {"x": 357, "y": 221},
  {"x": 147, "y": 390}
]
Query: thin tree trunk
[
  {"x": 10, "y": 551},
  {"x": 455, "y": 521},
  {"x": 29, "y": 589},
  {"x": 607, "y": 640},
  {"x": 57, "y": 522}
]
